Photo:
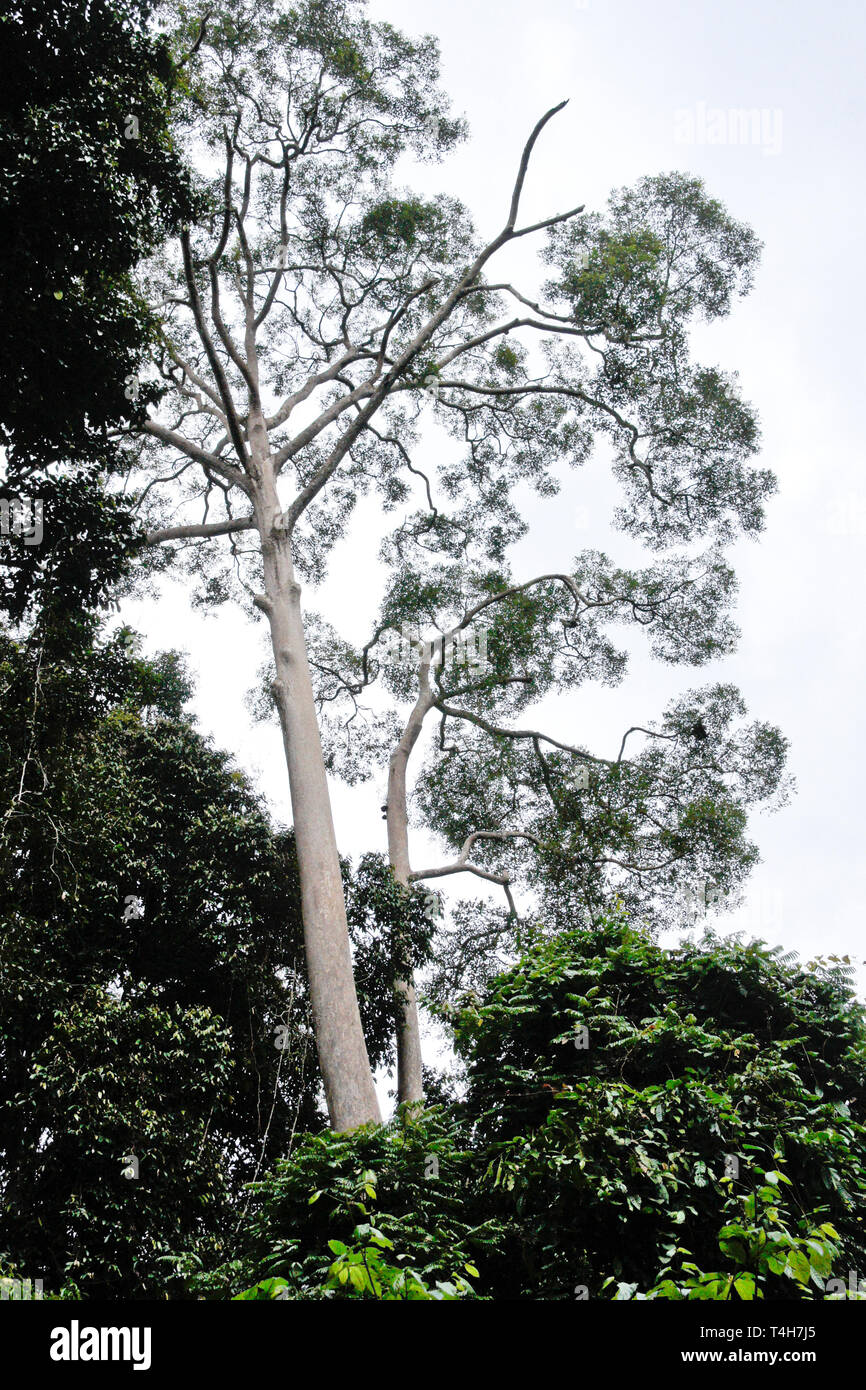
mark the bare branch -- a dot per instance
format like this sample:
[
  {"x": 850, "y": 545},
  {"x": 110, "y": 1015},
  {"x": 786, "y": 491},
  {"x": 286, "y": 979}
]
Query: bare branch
[
  {"x": 425, "y": 333},
  {"x": 638, "y": 729},
  {"x": 534, "y": 734},
  {"x": 207, "y": 528},
  {"x": 524, "y": 163},
  {"x": 194, "y": 451},
  {"x": 216, "y": 366}
]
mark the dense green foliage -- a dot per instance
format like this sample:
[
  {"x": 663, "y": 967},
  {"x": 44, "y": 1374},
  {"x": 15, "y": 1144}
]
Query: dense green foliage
[
  {"x": 757, "y": 1247},
  {"x": 75, "y": 570},
  {"x": 391, "y": 932},
  {"x": 180, "y": 1035},
  {"x": 90, "y": 182},
  {"x": 408, "y": 1182},
  {"x": 704, "y": 1137},
  {"x": 121, "y": 1033},
  {"x": 609, "y": 1156}
]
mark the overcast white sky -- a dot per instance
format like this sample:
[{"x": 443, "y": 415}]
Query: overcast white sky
[{"x": 641, "y": 78}]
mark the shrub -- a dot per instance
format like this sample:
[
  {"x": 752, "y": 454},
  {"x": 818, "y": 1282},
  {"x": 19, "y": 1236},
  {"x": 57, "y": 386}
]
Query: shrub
[{"x": 627, "y": 1098}]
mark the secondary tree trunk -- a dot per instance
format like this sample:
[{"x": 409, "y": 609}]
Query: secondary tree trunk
[
  {"x": 345, "y": 1066},
  {"x": 409, "y": 1082}
]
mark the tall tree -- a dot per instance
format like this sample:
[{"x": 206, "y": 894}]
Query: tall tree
[
  {"x": 90, "y": 182},
  {"x": 519, "y": 807},
  {"x": 304, "y": 321}
]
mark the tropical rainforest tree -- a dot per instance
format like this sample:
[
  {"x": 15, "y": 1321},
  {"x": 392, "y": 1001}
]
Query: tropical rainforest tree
[
  {"x": 317, "y": 311},
  {"x": 520, "y": 807}
]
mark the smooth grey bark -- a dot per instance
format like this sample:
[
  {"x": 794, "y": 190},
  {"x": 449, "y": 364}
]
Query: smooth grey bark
[
  {"x": 342, "y": 1051},
  {"x": 410, "y": 1086}
]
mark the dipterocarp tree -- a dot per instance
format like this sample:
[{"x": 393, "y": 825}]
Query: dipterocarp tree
[
  {"x": 520, "y": 807},
  {"x": 318, "y": 311}
]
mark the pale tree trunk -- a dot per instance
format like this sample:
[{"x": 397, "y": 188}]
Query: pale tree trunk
[
  {"x": 409, "y": 1083},
  {"x": 343, "y": 1060},
  {"x": 342, "y": 1052}
]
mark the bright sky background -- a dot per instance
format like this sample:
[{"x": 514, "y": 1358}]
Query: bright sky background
[{"x": 639, "y": 78}]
